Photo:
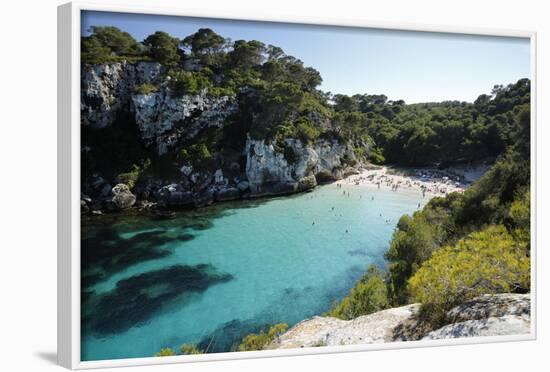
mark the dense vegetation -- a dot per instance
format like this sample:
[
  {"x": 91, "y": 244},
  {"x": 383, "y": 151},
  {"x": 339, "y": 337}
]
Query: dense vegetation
[
  {"x": 488, "y": 261},
  {"x": 185, "y": 349},
  {"x": 369, "y": 295},
  {"x": 466, "y": 244},
  {"x": 278, "y": 98},
  {"x": 258, "y": 341}
]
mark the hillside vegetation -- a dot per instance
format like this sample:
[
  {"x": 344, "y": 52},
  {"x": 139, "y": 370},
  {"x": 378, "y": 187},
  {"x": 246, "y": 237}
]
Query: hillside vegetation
[
  {"x": 279, "y": 97},
  {"x": 462, "y": 245},
  {"x": 452, "y": 250}
]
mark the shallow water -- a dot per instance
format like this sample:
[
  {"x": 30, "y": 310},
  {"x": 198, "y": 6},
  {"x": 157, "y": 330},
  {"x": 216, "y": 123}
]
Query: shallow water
[{"x": 214, "y": 275}]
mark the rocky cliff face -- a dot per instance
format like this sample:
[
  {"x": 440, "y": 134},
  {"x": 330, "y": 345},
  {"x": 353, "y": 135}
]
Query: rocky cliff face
[
  {"x": 163, "y": 119},
  {"x": 271, "y": 172},
  {"x": 166, "y": 123},
  {"x": 489, "y": 315},
  {"x": 107, "y": 89}
]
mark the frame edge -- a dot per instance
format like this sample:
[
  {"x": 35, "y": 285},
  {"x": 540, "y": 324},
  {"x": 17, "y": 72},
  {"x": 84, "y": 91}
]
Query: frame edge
[{"x": 64, "y": 230}]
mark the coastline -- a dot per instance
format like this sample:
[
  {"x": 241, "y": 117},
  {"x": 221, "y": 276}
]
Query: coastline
[{"x": 427, "y": 181}]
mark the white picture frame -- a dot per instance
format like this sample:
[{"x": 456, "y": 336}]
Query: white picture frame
[{"x": 69, "y": 183}]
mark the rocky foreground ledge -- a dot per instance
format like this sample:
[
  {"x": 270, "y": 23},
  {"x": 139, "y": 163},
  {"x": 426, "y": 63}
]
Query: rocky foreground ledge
[{"x": 488, "y": 315}]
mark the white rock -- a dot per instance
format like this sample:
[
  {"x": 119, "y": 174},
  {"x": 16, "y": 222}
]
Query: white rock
[
  {"x": 186, "y": 170},
  {"x": 506, "y": 325},
  {"x": 218, "y": 177},
  {"x": 489, "y": 315},
  {"x": 265, "y": 165},
  {"x": 373, "y": 328}
]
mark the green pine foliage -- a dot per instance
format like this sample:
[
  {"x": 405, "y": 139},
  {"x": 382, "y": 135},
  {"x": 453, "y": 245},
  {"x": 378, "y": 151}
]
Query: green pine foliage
[
  {"x": 258, "y": 341},
  {"x": 368, "y": 296},
  {"x": 190, "y": 349},
  {"x": 485, "y": 262},
  {"x": 165, "y": 352},
  {"x": 185, "y": 349}
]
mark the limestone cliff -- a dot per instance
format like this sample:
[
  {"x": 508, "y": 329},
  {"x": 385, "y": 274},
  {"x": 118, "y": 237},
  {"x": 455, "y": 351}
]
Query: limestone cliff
[
  {"x": 138, "y": 98},
  {"x": 270, "y": 172}
]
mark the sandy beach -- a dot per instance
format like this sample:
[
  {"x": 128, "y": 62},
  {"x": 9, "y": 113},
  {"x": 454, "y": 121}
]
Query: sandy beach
[{"x": 427, "y": 181}]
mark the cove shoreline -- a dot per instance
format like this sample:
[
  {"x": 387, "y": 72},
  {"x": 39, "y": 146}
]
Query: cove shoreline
[{"x": 430, "y": 181}]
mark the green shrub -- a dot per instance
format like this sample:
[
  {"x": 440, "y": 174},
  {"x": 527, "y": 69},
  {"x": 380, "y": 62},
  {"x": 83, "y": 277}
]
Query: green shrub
[
  {"x": 262, "y": 339},
  {"x": 222, "y": 91},
  {"x": 306, "y": 130},
  {"x": 489, "y": 261},
  {"x": 165, "y": 352},
  {"x": 520, "y": 216},
  {"x": 188, "y": 82},
  {"x": 368, "y": 296},
  {"x": 190, "y": 349},
  {"x": 412, "y": 243},
  {"x": 376, "y": 156},
  {"x": 131, "y": 177},
  {"x": 197, "y": 155},
  {"x": 145, "y": 88}
]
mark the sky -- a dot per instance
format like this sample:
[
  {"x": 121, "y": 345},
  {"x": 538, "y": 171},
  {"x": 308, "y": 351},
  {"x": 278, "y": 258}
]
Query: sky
[{"x": 413, "y": 66}]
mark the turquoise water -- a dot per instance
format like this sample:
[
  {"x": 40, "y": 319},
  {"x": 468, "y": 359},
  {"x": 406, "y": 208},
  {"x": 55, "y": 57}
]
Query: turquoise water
[{"x": 212, "y": 276}]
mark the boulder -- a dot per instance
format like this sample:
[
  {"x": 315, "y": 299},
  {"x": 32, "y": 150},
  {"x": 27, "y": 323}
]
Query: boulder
[
  {"x": 307, "y": 183},
  {"x": 227, "y": 193},
  {"x": 218, "y": 177},
  {"x": 174, "y": 195},
  {"x": 122, "y": 196},
  {"x": 204, "y": 198},
  {"x": 243, "y": 185}
]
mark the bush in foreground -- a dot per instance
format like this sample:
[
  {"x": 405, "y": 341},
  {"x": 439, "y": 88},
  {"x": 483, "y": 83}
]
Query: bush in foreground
[
  {"x": 485, "y": 262},
  {"x": 259, "y": 341},
  {"x": 165, "y": 352},
  {"x": 368, "y": 296}
]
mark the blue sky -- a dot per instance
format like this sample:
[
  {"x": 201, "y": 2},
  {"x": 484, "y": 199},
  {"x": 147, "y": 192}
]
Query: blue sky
[{"x": 413, "y": 66}]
